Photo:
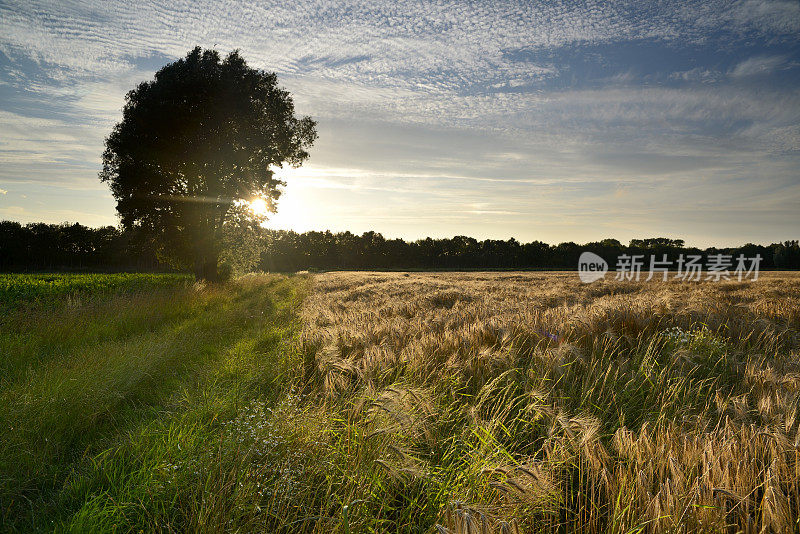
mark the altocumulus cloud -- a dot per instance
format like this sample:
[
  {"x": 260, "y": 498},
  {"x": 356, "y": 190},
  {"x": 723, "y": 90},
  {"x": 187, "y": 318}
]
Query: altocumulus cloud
[{"x": 542, "y": 120}]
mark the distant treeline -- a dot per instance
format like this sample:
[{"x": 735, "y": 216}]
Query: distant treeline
[
  {"x": 38, "y": 247},
  {"x": 288, "y": 251},
  {"x": 56, "y": 247}
]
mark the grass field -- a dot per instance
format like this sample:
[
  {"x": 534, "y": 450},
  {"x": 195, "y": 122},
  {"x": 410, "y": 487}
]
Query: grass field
[{"x": 425, "y": 402}]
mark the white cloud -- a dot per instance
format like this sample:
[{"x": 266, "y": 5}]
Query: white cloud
[
  {"x": 697, "y": 74},
  {"x": 758, "y": 66}
]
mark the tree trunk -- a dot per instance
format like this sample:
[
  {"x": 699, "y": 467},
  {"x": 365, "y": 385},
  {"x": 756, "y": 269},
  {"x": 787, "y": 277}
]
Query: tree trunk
[{"x": 206, "y": 269}]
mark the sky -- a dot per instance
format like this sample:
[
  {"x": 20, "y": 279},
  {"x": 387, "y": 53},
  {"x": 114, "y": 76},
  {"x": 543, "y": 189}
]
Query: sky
[{"x": 553, "y": 121}]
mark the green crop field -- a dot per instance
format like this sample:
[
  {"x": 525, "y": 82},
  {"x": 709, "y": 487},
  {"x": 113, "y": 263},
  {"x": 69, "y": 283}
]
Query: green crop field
[
  {"x": 391, "y": 402},
  {"x": 17, "y": 288}
]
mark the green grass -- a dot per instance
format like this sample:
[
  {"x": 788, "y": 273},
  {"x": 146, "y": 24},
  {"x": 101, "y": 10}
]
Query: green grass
[{"x": 103, "y": 400}]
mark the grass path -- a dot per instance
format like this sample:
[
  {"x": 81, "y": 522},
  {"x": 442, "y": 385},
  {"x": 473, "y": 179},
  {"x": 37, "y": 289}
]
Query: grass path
[{"x": 100, "y": 398}]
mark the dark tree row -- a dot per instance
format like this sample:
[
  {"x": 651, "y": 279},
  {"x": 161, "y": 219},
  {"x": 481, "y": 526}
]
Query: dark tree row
[
  {"x": 290, "y": 251},
  {"x": 76, "y": 247},
  {"x": 55, "y": 247}
]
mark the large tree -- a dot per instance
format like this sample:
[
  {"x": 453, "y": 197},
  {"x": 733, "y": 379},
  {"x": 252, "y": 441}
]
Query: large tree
[{"x": 196, "y": 143}]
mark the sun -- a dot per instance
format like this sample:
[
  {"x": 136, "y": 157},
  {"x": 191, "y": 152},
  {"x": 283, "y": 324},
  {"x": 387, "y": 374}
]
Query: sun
[{"x": 259, "y": 207}]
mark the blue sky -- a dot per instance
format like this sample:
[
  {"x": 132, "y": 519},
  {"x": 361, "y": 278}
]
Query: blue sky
[{"x": 554, "y": 121}]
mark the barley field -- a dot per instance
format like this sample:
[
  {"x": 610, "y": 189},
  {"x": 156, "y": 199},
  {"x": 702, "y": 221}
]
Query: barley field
[
  {"x": 405, "y": 402},
  {"x": 534, "y": 403}
]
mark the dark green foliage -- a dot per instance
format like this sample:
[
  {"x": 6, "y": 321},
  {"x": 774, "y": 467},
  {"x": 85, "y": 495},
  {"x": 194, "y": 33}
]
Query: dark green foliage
[
  {"x": 246, "y": 246},
  {"x": 193, "y": 143},
  {"x": 290, "y": 251}
]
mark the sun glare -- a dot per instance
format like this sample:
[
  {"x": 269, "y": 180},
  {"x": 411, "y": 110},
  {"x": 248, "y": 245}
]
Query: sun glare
[{"x": 259, "y": 206}]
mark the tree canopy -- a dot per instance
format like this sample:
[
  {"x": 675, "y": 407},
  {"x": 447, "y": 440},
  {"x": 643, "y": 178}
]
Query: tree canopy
[{"x": 194, "y": 144}]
